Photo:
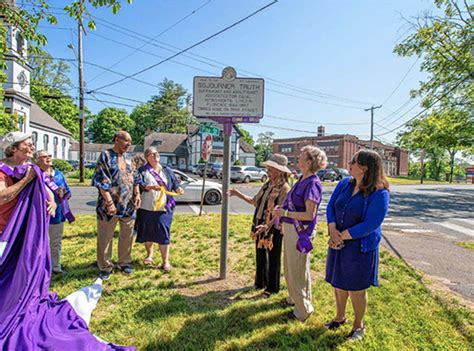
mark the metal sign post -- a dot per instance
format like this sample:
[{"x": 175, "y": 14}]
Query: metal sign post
[{"x": 227, "y": 100}]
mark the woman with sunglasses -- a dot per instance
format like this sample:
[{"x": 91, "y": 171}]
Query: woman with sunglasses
[{"x": 355, "y": 214}]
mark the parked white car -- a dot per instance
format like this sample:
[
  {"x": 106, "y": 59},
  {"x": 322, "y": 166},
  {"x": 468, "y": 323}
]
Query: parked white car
[
  {"x": 193, "y": 187},
  {"x": 247, "y": 173}
]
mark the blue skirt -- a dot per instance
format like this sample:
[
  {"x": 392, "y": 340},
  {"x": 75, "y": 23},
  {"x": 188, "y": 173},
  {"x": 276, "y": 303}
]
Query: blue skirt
[
  {"x": 153, "y": 226},
  {"x": 351, "y": 269}
]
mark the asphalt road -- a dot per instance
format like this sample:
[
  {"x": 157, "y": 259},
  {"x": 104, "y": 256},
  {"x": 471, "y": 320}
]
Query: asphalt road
[{"x": 423, "y": 226}]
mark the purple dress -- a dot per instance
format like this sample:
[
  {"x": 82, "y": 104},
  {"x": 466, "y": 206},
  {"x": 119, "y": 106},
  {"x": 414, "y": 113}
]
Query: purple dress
[{"x": 31, "y": 317}]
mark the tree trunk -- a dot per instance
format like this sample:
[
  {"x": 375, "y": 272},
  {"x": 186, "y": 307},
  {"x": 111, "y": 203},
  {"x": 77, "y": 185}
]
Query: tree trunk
[
  {"x": 422, "y": 166},
  {"x": 451, "y": 164}
]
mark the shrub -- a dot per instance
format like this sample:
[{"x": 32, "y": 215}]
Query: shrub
[
  {"x": 88, "y": 173},
  {"x": 237, "y": 163},
  {"x": 62, "y": 165}
]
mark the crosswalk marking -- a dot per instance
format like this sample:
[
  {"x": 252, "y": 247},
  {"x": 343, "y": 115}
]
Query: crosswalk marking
[
  {"x": 456, "y": 228},
  {"x": 465, "y": 220},
  {"x": 195, "y": 208},
  {"x": 400, "y": 224},
  {"x": 416, "y": 230}
]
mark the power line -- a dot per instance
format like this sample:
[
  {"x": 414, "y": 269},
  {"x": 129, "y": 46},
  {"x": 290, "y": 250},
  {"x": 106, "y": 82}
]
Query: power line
[
  {"x": 109, "y": 102},
  {"x": 313, "y": 123},
  {"x": 213, "y": 73},
  {"x": 190, "y": 47},
  {"x": 427, "y": 108},
  {"x": 219, "y": 64},
  {"x": 401, "y": 81},
  {"x": 154, "y": 38}
]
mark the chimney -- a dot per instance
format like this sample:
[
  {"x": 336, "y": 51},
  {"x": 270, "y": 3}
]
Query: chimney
[{"x": 321, "y": 131}]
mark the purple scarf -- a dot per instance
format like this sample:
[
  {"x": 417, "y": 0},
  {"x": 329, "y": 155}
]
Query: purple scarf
[
  {"x": 303, "y": 244},
  {"x": 63, "y": 201},
  {"x": 31, "y": 317},
  {"x": 170, "y": 201}
]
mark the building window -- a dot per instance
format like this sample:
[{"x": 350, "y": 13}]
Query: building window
[
  {"x": 286, "y": 148},
  {"x": 55, "y": 147},
  {"x": 34, "y": 139},
  {"x": 64, "y": 149},
  {"x": 45, "y": 142},
  {"x": 20, "y": 44}
]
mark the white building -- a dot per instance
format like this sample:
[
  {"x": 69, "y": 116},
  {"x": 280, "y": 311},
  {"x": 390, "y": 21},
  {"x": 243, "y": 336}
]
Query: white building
[{"x": 47, "y": 133}]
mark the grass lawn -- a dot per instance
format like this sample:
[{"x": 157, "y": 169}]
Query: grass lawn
[
  {"x": 75, "y": 182},
  {"x": 189, "y": 309},
  {"x": 467, "y": 245},
  {"x": 413, "y": 181}
]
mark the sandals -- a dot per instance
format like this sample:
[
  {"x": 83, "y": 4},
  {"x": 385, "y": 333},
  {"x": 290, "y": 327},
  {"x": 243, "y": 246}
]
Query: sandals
[
  {"x": 334, "y": 324},
  {"x": 148, "y": 261},
  {"x": 166, "y": 268}
]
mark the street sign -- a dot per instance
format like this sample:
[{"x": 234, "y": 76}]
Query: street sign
[
  {"x": 209, "y": 128},
  {"x": 228, "y": 97},
  {"x": 227, "y": 100},
  {"x": 206, "y": 148}
]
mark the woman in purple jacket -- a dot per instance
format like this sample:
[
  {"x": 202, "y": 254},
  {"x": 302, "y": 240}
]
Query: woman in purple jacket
[{"x": 355, "y": 214}]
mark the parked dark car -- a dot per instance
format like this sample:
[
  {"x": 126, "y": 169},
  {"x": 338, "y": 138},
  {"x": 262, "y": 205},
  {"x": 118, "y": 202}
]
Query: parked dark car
[
  {"x": 74, "y": 164},
  {"x": 341, "y": 173},
  {"x": 90, "y": 165},
  {"x": 210, "y": 165},
  {"x": 214, "y": 170},
  {"x": 327, "y": 174}
]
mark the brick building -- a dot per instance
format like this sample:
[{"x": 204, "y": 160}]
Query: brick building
[{"x": 340, "y": 149}]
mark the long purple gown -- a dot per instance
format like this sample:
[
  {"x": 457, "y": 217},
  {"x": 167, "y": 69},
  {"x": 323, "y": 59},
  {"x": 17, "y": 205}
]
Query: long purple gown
[{"x": 31, "y": 317}]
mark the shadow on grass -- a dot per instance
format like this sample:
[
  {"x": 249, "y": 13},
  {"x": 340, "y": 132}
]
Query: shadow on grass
[{"x": 216, "y": 317}]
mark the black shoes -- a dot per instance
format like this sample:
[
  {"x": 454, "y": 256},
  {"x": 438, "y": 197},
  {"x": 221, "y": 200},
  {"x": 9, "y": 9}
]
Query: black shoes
[
  {"x": 126, "y": 269},
  {"x": 104, "y": 275},
  {"x": 334, "y": 324}
]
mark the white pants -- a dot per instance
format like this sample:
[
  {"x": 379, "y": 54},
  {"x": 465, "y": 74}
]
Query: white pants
[{"x": 297, "y": 274}]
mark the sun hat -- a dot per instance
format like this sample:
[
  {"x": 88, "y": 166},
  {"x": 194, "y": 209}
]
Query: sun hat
[
  {"x": 15, "y": 137},
  {"x": 277, "y": 161}
]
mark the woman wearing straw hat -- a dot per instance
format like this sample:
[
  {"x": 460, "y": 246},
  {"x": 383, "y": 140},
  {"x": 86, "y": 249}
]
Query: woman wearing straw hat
[{"x": 265, "y": 230}]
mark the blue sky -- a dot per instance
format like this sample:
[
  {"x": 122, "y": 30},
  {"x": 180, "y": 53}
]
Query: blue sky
[{"x": 342, "y": 49}]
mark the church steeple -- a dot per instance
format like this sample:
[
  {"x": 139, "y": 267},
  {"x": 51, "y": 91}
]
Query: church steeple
[{"x": 17, "y": 86}]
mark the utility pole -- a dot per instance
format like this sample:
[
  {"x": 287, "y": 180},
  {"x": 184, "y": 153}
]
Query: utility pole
[
  {"x": 81, "y": 104},
  {"x": 372, "y": 124}
]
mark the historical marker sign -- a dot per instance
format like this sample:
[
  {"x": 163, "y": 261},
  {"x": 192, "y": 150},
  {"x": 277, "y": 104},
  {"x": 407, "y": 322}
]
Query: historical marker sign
[{"x": 226, "y": 97}]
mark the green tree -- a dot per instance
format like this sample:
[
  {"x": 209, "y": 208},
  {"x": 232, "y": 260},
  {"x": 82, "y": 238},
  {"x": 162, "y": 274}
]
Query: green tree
[
  {"x": 169, "y": 111},
  {"x": 27, "y": 21},
  {"x": 142, "y": 117},
  {"x": 446, "y": 131},
  {"x": 246, "y": 135},
  {"x": 107, "y": 122},
  {"x": 50, "y": 85},
  {"x": 444, "y": 44},
  {"x": 166, "y": 112},
  {"x": 264, "y": 147}
]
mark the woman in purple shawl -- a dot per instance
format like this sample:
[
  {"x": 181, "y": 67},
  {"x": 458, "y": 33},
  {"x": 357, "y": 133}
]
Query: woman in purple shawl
[{"x": 32, "y": 318}]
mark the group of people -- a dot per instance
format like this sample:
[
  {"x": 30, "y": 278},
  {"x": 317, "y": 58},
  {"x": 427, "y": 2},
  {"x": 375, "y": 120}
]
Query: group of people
[
  {"x": 355, "y": 212},
  {"x": 139, "y": 196}
]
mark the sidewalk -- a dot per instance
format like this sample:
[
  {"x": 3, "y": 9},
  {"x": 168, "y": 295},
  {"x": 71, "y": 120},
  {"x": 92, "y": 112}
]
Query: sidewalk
[{"x": 433, "y": 254}]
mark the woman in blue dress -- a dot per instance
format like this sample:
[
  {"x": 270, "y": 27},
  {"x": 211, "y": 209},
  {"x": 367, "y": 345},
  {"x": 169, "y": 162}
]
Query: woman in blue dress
[{"x": 355, "y": 214}]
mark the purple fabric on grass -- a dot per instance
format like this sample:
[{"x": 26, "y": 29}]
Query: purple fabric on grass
[{"x": 31, "y": 317}]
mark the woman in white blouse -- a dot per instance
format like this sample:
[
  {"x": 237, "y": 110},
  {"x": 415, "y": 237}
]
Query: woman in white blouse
[{"x": 155, "y": 215}]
